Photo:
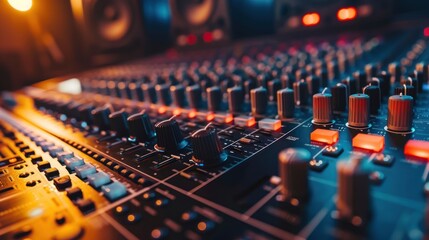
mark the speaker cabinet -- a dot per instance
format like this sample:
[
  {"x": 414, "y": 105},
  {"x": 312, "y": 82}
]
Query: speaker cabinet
[
  {"x": 111, "y": 30},
  {"x": 199, "y": 22}
]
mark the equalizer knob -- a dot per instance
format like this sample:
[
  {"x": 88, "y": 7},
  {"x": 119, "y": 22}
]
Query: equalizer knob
[
  {"x": 214, "y": 98},
  {"x": 194, "y": 96},
  {"x": 400, "y": 113},
  {"x": 339, "y": 97},
  {"x": 259, "y": 100},
  {"x": 235, "y": 99},
  {"x": 300, "y": 90},
  {"x": 170, "y": 139},
  {"x": 285, "y": 103},
  {"x": 178, "y": 95},
  {"x": 322, "y": 108},
  {"x": 207, "y": 148},
  {"x": 358, "y": 111},
  {"x": 101, "y": 116},
  {"x": 293, "y": 169},
  {"x": 163, "y": 94},
  {"x": 119, "y": 124},
  {"x": 374, "y": 95},
  {"x": 353, "y": 201},
  {"x": 140, "y": 127}
]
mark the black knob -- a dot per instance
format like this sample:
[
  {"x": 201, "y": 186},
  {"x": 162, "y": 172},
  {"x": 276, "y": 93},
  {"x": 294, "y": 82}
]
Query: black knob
[
  {"x": 424, "y": 68},
  {"x": 371, "y": 70},
  {"x": 194, "y": 96},
  {"x": 339, "y": 97},
  {"x": 385, "y": 83},
  {"x": 207, "y": 148},
  {"x": 353, "y": 202},
  {"x": 406, "y": 89},
  {"x": 395, "y": 70},
  {"x": 85, "y": 112},
  {"x": 293, "y": 169},
  {"x": 163, "y": 94},
  {"x": 374, "y": 94},
  {"x": 300, "y": 90},
  {"x": 313, "y": 83},
  {"x": 214, "y": 98},
  {"x": 235, "y": 99},
  {"x": 169, "y": 136},
  {"x": 362, "y": 80},
  {"x": 178, "y": 94},
  {"x": 285, "y": 103},
  {"x": 149, "y": 93},
  {"x": 273, "y": 86},
  {"x": 101, "y": 116},
  {"x": 119, "y": 124},
  {"x": 351, "y": 84},
  {"x": 141, "y": 127},
  {"x": 259, "y": 100}
]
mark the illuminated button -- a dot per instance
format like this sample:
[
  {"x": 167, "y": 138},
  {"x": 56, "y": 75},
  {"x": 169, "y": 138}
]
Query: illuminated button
[
  {"x": 54, "y": 150},
  {"x": 122, "y": 209},
  {"x": 161, "y": 202},
  {"x": 62, "y": 156},
  {"x": 417, "y": 148},
  {"x": 189, "y": 216},
  {"x": 270, "y": 124},
  {"x": 324, "y": 136},
  {"x": 159, "y": 233},
  {"x": 134, "y": 217},
  {"x": 369, "y": 142},
  {"x": 244, "y": 121},
  {"x": 205, "y": 226},
  {"x": 72, "y": 163},
  {"x": 46, "y": 145},
  {"x": 114, "y": 191},
  {"x": 84, "y": 170},
  {"x": 98, "y": 179}
]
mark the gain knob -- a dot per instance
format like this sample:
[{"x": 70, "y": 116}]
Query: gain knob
[
  {"x": 300, "y": 90},
  {"x": 140, "y": 127},
  {"x": 194, "y": 96},
  {"x": 207, "y": 148},
  {"x": 353, "y": 202},
  {"x": 163, "y": 94},
  {"x": 400, "y": 113},
  {"x": 259, "y": 100},
  {"x": 293, "y": 169},
  {"x": 101, "y": 116},
  {"x": 339, "y": 97},
  {"x": 119, "y": 124},
  {"x": 322, "y": 108},
  {"x": 285, "y": 103},
  {"x": 358, "y": 111},
  {"x": 178, "y": 94},
  {"x": 170, "y": 138},
  {"x": 373, "y": 91},
  {"x": 235, "y": 99},
  {"x": 214, "y": 98}
]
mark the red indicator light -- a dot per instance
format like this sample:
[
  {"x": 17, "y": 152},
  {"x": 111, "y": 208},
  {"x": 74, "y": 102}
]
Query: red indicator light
[
  {"x": 207, "y": 37},
  {"x": 346, "y": 14},
  {"x": 191, "y": 39},
  {"x": 417, "y": 148},
  {"x": 324, "y": 136},
  {"x": 311, "y": 19},
  {"x": 369, "y": 142},
  {"x": 426, "y": 32}
]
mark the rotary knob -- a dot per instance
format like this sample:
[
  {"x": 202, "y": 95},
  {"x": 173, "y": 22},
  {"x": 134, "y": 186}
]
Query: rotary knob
[
  {"x": 194, "y": 96},
  {"x": 353, "y": 202},
  {"x": 170, "y": 139},
  {"x": 140, "y": 127},
  {"x": 339, "y": 97},
  {"x": 259, "y": 100},
  {"x": 358, "y": 110},
  {"x": 301, "y": 93},
  {"x": 285, "y": 103},
  {"x": 101, "y": 116},
  {"x": 178, "y": 94},
  {"x": 163, "y": 94},
  {"x": 214, "y": 99},
  {"x": 235, "y": 99},
  {"x": 207, "y": 148},
  {"x": 400, "y": 113},
  {"x": 322, "y": 108},
  {"x": 119, "y": 124},
  {"x": 373, "y": 91},
  {"x": 293, "y": 169}
]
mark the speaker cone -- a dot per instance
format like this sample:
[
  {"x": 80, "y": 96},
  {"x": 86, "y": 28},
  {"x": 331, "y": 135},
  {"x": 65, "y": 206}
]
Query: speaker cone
[{"x": 196, "y": 12}]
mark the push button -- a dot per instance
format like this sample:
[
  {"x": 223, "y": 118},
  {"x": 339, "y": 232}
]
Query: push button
[
  {"x": 368, "y": 142},
  {"x": 62, "y": 182},
  {"x": 72, "y": 163},
  {"x": 417, "y": 148},
  {"x": 98, "y": 179},
  {"x": 114, "y": 191},
  {"x": 62, "y": 156},
  {"x": 43, "y": 165},
  {"x": 324, "y": 136},
  {"x": 54, "y": 150},
  {"x": 36, "y": 158},
  {"x": 84, "y": 170},
  {"x": 51, "y": 173},
  {"x": 28, "y": 152},
  {"x": 86, "y": 205},
  {"x": 74, "y": 193}
]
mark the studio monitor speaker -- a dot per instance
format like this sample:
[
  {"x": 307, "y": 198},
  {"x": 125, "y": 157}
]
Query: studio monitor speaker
[{"x": 110, "y": 30}]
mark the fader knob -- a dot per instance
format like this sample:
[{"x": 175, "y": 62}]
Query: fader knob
[
  {"x": 214, "y": 98},
  {"x": 207, "y": 148},
  {"x": 400, "y": 113},
  {"x": 194, "y": 96},
  {"x": 322, "y": 108},
  {"x": 101, "y": 116},
  {"x": 259, "y": 100},
  {"x": 300, "y": 90},
  {"x": 169, "y": 137},
  {"x": 119, "y": 124},
  {"x": 235, "y": 99},
  {"x": 358, "y": 110},
  {"x": 285, "y": 103},
  {"x": 149, "y": 93},
  {"x": 178, "y": 94},
  {"x": 140, "y": 127},
  {"x": 163, "y": 94},
  {"x": 293, "y": 169},
  {"x": 353, "y": 202},
  {"x": 339, "y": 97}
]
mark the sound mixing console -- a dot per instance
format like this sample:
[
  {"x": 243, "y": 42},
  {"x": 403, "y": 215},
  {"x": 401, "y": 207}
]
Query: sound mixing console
[{"x": 313, "y": 138}]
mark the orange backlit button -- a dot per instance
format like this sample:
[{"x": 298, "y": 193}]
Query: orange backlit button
[
  {"x": 369, "y": 142},
  {"x": 270, "y": 124},
  {"x": 324, "y": 136},
  {"x": 417, "y": 148}
]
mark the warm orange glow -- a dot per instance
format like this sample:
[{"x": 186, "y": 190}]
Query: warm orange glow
[
  {"x": 202, "y": 226},
  {"x": 21, "y": 5},
  {"x": 369, "y": 142},
  {"x": 251, "y": 122},
  {"x": 417, "y": 148},
  {"x": 177, "y": 111},
  {"x": 162, "y": 110},
  {"x": 229, "y": 118},
  {"x": 311, "y": 19},
  {"x": 324, "y": 136},
  {"x": 210, "y": 117},
  {"x": 346, "y": 14},
  {"x": 192, "y": 114}
]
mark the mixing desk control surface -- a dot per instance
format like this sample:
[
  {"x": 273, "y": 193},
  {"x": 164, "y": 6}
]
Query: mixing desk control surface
[{"x": 270, "y": 140}]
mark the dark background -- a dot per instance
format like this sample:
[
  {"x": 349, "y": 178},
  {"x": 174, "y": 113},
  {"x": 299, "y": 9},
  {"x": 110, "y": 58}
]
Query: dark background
[{"x": 44, "y": 42}]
